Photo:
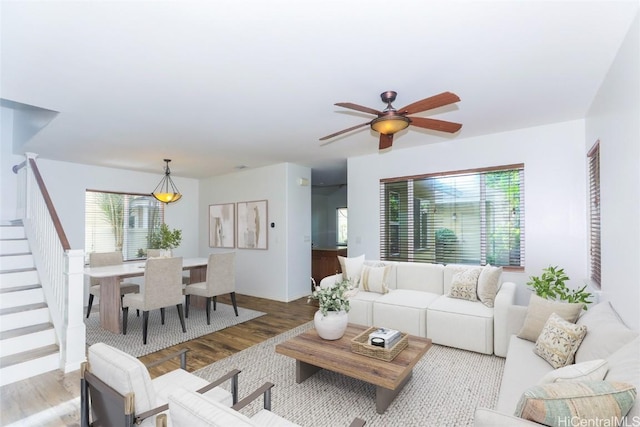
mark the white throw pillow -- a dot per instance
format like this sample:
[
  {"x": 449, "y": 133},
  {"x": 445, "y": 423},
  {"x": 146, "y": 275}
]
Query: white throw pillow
[
  {"x": 593, "y": 370},
  {"x": 374, "y": 279},
  {"x": 351, "y": 268},
  {"x": 489, "y": 284}
]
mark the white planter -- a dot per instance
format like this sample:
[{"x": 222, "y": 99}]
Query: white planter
[
  {"x": 166, "y": 253},
  {"x": 331, "y": 326}
]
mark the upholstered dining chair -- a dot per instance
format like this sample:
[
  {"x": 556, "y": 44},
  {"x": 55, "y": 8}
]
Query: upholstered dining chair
[
  {"x": 162, "y": 288},
  {"x": 155, "y": 253},
  {"x": 220, "y": 280},
  {"x": 103, "y": 259},
  {"x": 117, "y": 390}
]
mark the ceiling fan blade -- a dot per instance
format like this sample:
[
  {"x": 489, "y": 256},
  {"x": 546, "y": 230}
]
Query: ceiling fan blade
[
  {"x": 434, "y": 124},
  {"x": 442, "y": 99},
  {"x": 385, "y": 141},
  {"x": 357, "y": 107},
  {"x": 344, "y": 131}
]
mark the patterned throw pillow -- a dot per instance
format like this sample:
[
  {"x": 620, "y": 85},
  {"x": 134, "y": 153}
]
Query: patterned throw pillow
[
  {"x": 489, "y": 284},
  {"x": 374, "y": 279},
  {"x": 559, "y": 404},
  {"x": 464, "y": 284},
  {"x": 559, "y": 341},
  {"x": 592, "y": 370},
  {"x": 538, "y": 312}
]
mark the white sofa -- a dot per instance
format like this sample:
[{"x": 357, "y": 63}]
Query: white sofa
[
  {"x": 607, "y": 338},
  {"x": 417, "y": 303}
]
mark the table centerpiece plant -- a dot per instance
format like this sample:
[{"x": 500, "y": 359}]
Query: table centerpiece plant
[
  {"x": 331, "y": 319},
  {"x": 166, "y": 239}
]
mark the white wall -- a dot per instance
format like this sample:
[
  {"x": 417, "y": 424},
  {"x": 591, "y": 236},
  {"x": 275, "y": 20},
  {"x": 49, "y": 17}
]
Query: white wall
[
  {"x": 614, "y": 119},
  {"x": 282, "y": 271},
  {"x": 8, "y": 179},
  {"x": 555, "y": 191}
]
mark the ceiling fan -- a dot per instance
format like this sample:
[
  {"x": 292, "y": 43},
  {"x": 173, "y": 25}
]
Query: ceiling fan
[{"x": 390, "y": 120}]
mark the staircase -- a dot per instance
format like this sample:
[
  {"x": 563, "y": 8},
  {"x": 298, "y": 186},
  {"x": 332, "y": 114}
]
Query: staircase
[{"x": 28, "y": 343}]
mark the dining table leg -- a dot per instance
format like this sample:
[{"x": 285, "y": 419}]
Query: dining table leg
[{"x": 110, "y": 304}]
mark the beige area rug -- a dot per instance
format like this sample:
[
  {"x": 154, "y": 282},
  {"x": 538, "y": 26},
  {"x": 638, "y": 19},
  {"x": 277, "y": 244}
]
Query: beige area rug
[
  {"x": 162, "y": 336},
  {"x": 447, "y": 385}
]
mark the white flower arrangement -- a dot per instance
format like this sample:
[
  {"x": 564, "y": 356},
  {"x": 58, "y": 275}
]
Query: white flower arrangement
[{"x": 333, "y": 298}]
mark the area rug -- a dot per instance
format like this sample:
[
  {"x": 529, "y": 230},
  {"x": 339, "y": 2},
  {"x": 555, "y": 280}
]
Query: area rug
[
  {"x": 447, "y": 385},
  {"x": 162, "y": 336}
]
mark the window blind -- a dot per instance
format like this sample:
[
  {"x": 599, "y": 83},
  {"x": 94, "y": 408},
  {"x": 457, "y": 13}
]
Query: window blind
[
  {"x": 594, "y": 213},
  {"x": 462, "y": 217},
  {"x": 120, "y": 222}
]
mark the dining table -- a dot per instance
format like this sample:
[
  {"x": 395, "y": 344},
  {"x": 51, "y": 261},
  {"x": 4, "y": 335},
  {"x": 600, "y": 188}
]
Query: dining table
[{"x": 110, "y": 277}]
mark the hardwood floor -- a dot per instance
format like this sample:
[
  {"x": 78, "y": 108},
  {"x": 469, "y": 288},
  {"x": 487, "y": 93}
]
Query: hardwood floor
[{"x": 52, "y": 399}]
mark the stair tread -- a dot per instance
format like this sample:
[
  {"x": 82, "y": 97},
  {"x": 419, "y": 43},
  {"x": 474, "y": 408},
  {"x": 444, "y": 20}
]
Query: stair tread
[
  {"x": 20, "y": 288},
  {"x": 25, "y": 356},
  {"x": 17, "y": 270},
  {"x": 20, "y": 308},
  {"x": 26, "y": 330}
]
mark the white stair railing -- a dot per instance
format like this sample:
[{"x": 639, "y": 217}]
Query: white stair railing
[{"x": 60, "y": 268}]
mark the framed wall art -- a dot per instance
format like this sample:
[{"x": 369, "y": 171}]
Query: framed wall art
[
  {"x": 222, "y": 227},
  {"x": 252, "y": 225}
]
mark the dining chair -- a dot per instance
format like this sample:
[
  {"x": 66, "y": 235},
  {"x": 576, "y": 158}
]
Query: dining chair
[
  {"x": 220, "y": 280},
  {"x": 155, "y": 253},
  {"x": 104, "y": 259},
  {"x": 162, "y": 288}
]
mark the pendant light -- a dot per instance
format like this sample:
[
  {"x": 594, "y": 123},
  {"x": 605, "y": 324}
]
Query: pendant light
[{"x": 166, "y": 191}]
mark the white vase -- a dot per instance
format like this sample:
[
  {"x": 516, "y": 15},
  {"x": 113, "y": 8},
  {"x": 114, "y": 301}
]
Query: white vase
[
  {"x": 331, "y": 326},
  {"x": 166, "y": 253}
]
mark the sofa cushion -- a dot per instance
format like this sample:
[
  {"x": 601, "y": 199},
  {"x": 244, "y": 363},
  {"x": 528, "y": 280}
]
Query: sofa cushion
[
  {"x": 522, "y": 369},
  {"x": 351, "y": 268},
  {"x": 559, "y": 341},
  {"x": 624, "y": 366},
  {"x": 374, "y": 279},
  {"x": 540, "y": 309},
  {"x": 606, "y": 332},
  {"x": 464, "y": 284},
  {"x": 557, "y": 404},
  {"x": 489, "y": 284},
  {"x": 593, "y": 370},
  {"x": 419, "y": 276},
  {"x": 461, "y": 307}
]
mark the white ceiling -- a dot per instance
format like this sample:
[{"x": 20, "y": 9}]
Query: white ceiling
[{"x": 218, "y": 84}]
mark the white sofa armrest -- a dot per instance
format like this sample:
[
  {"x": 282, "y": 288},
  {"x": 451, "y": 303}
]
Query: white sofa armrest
[
  {"x": 505, "y": 298},
  {"x": 484, "y": 417},
  {"x": 330, "y": 280}
]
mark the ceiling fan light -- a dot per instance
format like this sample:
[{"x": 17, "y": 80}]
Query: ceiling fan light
[
  {"x": 166, "y": 191},
  {"x": 388, "y": 125}
]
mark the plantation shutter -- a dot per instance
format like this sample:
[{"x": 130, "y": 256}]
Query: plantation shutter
[
  {"x": 594, "y": 213},
  {"x": 120, "y": 222},
  {"x": 463, "y": 217}
]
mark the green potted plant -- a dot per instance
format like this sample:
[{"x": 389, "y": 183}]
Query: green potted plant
[
  {"x": 165, "y": 238},
  {"x": 331, "y": 319},
  {"x": 551, "y": 285}
]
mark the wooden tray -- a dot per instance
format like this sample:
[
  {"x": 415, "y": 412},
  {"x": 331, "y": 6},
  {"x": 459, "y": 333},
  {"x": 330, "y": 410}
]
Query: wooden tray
[{"x": 360, "y": 344}]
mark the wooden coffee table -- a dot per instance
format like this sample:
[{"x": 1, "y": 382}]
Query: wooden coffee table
[{"x": 313, "y": 353}]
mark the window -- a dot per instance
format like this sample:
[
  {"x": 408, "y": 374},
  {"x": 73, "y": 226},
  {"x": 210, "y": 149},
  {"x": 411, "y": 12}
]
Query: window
[
  {"x": 341, "y": 229},
  {"x": 594, "y": 213},
  {"x": 464, "y": 217},
  {"x": 120, "y": 222}
]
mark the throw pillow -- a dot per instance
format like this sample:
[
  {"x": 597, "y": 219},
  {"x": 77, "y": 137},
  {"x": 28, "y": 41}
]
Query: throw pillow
[
  {"x": 489, "y": 284},
  {"x": 559, "y": 341},
  {"x": 464, "y": 283},
  {"x": 593, "y": 370},
  {"x": 374, "y": 279},
  {"x": 351, "y": 268},
  {"x": 539, "y": 311},
  {"x": 558, "y": 404},
  {"x": 607, "y": 332}
]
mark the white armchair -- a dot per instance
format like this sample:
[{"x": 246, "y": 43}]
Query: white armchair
[{"x": 117, "y": 390}]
